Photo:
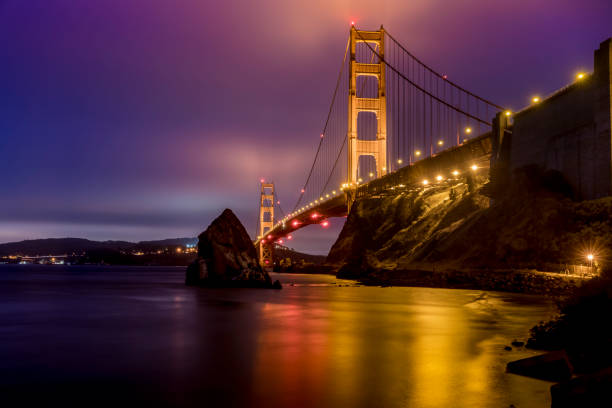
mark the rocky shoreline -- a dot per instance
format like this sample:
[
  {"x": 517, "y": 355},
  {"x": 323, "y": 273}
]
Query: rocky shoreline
[{"x": 517, "y": 281}]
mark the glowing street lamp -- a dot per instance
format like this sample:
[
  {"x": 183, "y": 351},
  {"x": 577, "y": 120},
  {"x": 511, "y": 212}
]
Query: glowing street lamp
[
  {"x": 507, "y": 113},
  {"x": 399, "y": 161},
  {"x": 425, "y": 182},
  {"x": 417, "y": 153},
  {"x": 455, "y": 173},
  {"x": 580, "y": 75},
  {"x": 535, "y": 99},
  {"x": 474, "y": 167},
  {"x": 439, "y": 178},
  {"x": 468, "y": 130},
  {"x": 440, "y": 142}
]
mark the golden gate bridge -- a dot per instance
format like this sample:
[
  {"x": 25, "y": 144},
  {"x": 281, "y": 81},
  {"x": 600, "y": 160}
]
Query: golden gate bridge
[{"x": 393, "y": 124}]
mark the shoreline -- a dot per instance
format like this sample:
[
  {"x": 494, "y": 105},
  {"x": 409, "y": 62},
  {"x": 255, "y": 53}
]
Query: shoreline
[{"x": 506, "y": 280}]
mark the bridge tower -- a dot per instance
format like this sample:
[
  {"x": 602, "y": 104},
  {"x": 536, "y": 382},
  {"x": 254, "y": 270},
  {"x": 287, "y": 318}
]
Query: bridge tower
[
  {"x": 357, "y": 104},
  {"x": 266, "y": 223}
]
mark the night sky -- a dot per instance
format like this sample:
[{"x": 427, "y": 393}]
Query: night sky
[{"x": 144, "y": 119}]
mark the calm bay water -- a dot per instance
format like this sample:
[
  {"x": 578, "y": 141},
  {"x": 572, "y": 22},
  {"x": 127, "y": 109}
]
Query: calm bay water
[{"x": 100, "y": 336}]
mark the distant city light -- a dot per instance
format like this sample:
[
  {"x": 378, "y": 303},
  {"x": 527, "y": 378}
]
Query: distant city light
[
  {"x": 468, "y": 130},
  {"x": 439, "y": 178},
  {"x": 455, "y": 173},
  {"x": 325, "y": 224},
  {"x": 417, "y": 153},
  {"x": 371, "y": 174},
  {"x": 384, "y": 169},
  {"x": 580, "y": 75},
  {"x": 474, "y": 167},
  {"x": 425, "y": 182},
  {"x": 440, "y": 142},
  {"x": 399, "y": 161},
  {"x": 590, "y": 257},
  {"x": 535, "y": 99},
  {"x": 507, "y": 113}
]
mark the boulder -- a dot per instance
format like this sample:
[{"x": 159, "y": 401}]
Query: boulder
[
  {"x": 591, "y": 390},
  {"x": 227, "y": 257},
  {"x": 553, "y": 366}
]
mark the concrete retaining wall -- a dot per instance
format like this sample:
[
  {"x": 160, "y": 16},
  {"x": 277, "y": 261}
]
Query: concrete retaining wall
[{"x": 570, "y": 131}]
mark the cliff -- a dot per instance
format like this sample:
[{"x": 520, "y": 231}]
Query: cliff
[{"x": 532, "y": 223}]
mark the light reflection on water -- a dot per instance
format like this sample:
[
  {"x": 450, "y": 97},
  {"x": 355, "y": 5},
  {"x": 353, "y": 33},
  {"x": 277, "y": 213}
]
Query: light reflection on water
[{"x": 139, "y": 335}]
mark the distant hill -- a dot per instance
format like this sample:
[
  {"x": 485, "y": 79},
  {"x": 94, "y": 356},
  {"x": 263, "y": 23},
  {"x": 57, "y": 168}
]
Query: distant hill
[
  {"x": 282, "y": 252},
  {"x": 56, "y": 246}
]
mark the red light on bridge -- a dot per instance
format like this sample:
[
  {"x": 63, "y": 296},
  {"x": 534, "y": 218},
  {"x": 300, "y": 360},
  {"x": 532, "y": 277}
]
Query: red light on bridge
[
  {"x": 295, "y": 223},
  {"x": 267, "y": 262},
  {"x": 303, "y": 191},
  {"x": 280, "y": 241},
  {"x": 262, "y": 180},
  {"x": 289, "y": 237},
  {"x": 352, "y": 23},
  {"x": 325, "y": 224},
  {"x": 322, "y": 135},
  {"x": 269, "y": 236},
  {"x": 314, "y": 216}
]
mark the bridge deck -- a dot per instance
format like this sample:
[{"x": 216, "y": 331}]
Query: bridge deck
[{"x": 475, "y": 152}]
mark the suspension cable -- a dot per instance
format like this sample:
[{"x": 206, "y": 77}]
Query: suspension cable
[
  {"x": 425, "y": 92},
  {"x": 324, "y": 127},
  {"x": 439, "y": 75}
]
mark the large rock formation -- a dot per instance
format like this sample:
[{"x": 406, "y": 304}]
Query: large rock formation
[
  {"x": 227, "y": 257},
  {"x": 533, "y": 224}
]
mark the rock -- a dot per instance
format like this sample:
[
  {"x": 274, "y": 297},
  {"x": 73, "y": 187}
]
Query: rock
[
  {"x": 508, "y": 348},
  {"x": 592, "y": 390},
  {"x": 517, "y": 343},
  {"x": 553, "y": 366},
  {"x": 227, "y": 257},
  {"x": 277, "y": 285}
]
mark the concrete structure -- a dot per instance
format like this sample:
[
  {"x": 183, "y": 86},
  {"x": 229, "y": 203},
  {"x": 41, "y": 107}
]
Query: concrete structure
[
  {"x": 570, "y": 131},
  {"x": 357, "y": 147},
  {"x": 266, "y": 223}
]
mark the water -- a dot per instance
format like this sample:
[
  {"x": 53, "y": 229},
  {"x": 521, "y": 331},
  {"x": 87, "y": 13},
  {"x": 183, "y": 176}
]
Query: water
[{"x": 100, "y": 336}]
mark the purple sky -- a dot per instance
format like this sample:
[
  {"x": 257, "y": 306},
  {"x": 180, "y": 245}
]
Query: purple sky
[{"x": 144, "y": 119}]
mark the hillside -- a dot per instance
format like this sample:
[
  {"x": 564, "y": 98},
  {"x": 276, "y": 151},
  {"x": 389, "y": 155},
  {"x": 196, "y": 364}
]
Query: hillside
[
  {"x": 58, "y": 246},
  {"x": 532, "y": 224}
]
